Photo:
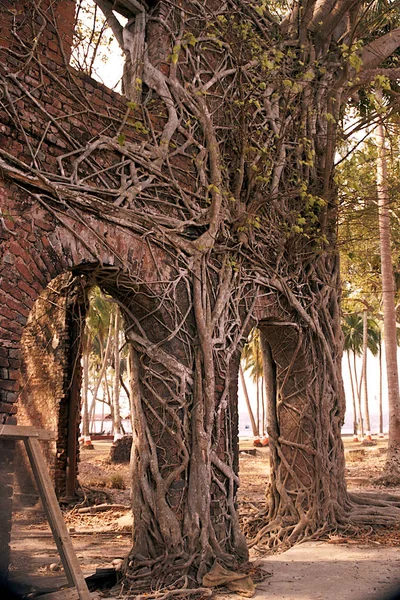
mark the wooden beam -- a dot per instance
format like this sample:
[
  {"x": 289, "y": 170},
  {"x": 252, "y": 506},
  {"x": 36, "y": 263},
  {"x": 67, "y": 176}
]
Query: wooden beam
[
  {"x": 22, "y": 432},
  {"x": 67, "y": 594},
  {"x": 129, "y": 8}
]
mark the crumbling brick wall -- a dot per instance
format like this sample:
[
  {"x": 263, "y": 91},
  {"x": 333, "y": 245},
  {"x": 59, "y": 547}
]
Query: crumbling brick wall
[
  {"x": 57, "y": 104},
  {"x": 46, "y": 376}
]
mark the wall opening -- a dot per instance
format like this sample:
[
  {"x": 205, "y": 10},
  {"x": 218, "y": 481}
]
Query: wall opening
[
  {"x": 75, "y": 377},
  {"x": 256, "y": 384}
]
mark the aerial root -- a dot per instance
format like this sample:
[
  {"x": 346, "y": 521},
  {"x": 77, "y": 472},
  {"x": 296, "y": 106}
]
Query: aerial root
[{"x": 374, "y": 508}]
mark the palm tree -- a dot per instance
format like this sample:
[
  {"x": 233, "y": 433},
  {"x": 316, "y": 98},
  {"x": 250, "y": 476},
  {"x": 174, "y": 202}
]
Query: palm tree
[
  {"x": 253, "y": 361},
  {"x": 254, "y": 425},
  {"x": 251, "y": 357},
  {"x": 355, "y": 333},
  {"x": 117, "y": 426},
  {"x": 389, "y": 311}
]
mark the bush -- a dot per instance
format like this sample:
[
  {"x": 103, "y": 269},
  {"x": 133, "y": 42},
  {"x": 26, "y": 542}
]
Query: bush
[{"x": 117, "y": 482}]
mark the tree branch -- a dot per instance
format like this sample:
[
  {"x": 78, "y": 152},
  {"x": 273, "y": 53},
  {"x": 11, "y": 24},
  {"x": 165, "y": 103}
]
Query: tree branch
[{"x": 380, "y": 49}]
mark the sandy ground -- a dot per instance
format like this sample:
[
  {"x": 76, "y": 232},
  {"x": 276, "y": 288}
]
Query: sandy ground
[{"x": 342, "y": 568}]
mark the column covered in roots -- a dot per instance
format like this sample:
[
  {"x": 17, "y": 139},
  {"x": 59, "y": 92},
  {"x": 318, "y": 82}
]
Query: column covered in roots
[
  {"x": 184, "y": 402},
  {"x": 302, "y": 363}
]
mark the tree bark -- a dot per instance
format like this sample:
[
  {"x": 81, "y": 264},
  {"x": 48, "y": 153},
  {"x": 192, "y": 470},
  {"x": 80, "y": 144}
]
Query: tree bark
[
  {"x": 300, "y": 434},
  {"x": 224, "y": 180},
  {"x": 392, "y": 466},
  {"x": 380, "y": 388}
]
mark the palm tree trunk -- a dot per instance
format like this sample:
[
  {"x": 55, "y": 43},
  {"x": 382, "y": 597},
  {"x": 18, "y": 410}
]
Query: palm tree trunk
[
  {"x": 258, "y": 391},
  {"x": 117, "y": 429},
  {"x": 353, "y": 394},
  {"x": 105, "y": 358},
  {"x": 247, "y": 399},
  {"x": 392, "y": 466},
  {"x": 360, "y": 415},
  {"x": 262, "y": 407},
  {"x": 269, "y": 376},
  {"x": 380, "y": 389},
  {"x": 85, "y": 385},
  {"x": 364, "y": 375}
]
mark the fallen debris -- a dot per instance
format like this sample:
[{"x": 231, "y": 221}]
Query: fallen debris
[{"x": 101, "y": 508}]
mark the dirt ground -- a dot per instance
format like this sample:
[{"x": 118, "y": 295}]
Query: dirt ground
[{"x": 366, "y": 567}]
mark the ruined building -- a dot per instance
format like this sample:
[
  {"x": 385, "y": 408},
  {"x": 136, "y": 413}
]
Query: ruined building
[{"x": 154, "y": 197}]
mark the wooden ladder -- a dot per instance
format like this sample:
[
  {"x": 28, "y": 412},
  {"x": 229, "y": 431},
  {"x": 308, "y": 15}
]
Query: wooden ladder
[{"x": 31, "y": 436}]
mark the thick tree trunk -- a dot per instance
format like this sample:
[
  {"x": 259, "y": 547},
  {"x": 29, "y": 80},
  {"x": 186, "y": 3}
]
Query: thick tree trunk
[
  {"x": 305, "y": 415},
  {"x": 189, "y": 410},
  {"x": 224, "y": 178},
  {"x": 392, "y": 467}
]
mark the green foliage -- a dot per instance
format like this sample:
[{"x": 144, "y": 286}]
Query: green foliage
[
  {"x": 352, "y": 326},
  {"x": 358, "y": 226},
  {"x": 251, "y": 355}
]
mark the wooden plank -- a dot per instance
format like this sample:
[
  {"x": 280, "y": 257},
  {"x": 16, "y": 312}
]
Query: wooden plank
[
  {"x": 56, "y": 521},
  {"x": 129, "y": 8},
  {"x": 67, "y": 594},
  {"x": 21, "y": 432}
]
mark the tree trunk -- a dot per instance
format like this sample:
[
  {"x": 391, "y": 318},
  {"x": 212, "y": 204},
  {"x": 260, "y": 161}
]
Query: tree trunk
[
  {"x": 254, "y": 428},
  {"x": 364, "y": 375},
  {"x": 300, "y": 434},
  {"x": 85, "y": 400},
  {"x": 353, "y": 395},
  {"x": 105, "y": 357},
  {"x": 262, "y": 406},
  {"x": 191, "y": 486},
  {"x": 392, "y": 466},
  {"x": 380, "y": 388},
  {"x": 117, "y": 430},
  {"x": 223, "y": 183},
  {"x": 358, "y": 389}
]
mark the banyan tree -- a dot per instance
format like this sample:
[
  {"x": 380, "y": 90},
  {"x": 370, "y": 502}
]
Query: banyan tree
[{"x": 222, "y": 165}]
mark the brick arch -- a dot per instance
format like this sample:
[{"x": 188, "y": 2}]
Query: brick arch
[
  {"x": 38, "y": 251},
  {"x": 36, "y": 248}
]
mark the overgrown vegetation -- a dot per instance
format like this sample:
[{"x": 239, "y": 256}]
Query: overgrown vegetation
[{"x": 223, "y": 162}]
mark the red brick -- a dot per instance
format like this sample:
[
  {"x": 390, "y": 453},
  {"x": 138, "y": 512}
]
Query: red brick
[
  {"x": 27, "y": 289},
  {"x": 14, "y": 363},
  {"x": 12, "y": 291},
  {"x": 16, "y": 249},
  {"x": 9, "y": 314},
  {"x": 8, "y": 384},
  {"x": 13, "y": 374},
  {"x": 25, "y": 272},
  {"x": 10, "y": 409},
  {"x": 18, "y": 307}
]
